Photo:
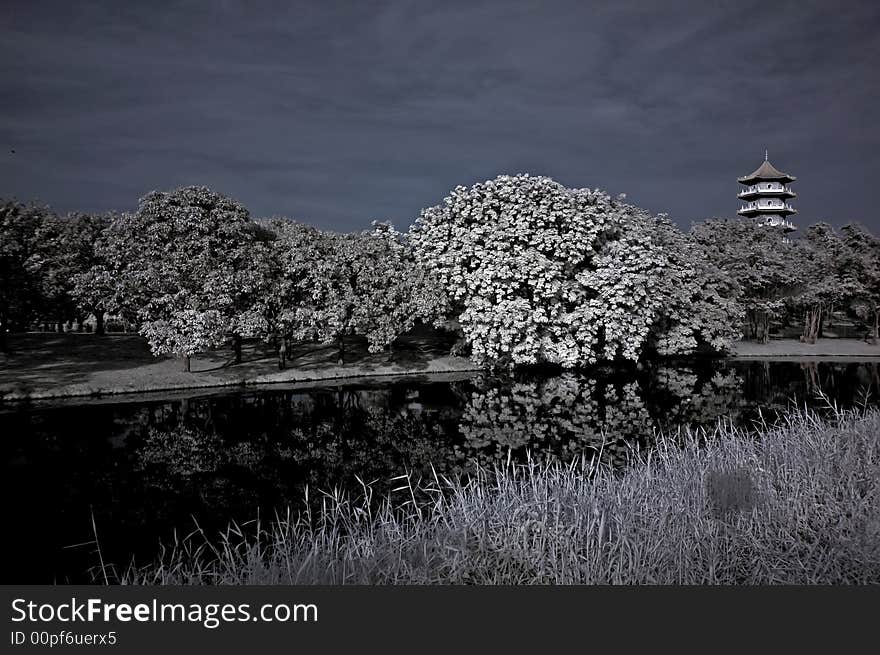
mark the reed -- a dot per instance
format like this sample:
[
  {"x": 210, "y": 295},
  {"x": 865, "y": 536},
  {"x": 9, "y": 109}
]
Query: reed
[{"x": 796, "y": 503}]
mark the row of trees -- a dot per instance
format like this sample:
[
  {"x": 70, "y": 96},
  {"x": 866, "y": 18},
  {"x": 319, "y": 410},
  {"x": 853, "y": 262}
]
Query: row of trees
[
  {"x": 800, "y": 281},
  {"x": 41, "y": 254},
  {"x": 530, "y": 271},
  {"x": 194, "y": 271}
]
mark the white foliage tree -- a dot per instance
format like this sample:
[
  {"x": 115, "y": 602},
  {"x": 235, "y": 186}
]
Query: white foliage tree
[
  {"x": 365, "y": 283},
  {"x": 542, "y": 273}
]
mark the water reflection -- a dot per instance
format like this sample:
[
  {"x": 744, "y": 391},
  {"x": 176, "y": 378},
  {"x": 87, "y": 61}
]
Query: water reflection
[
  {"x": 552, "y": 418},
  {"x": 145, "y": 469}
]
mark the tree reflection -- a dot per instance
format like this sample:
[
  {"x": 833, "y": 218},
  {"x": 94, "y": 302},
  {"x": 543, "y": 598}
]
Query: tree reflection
[
  {"x": 184, "y": 452},
  {"x": 275, "y": 444},
  {"x": 683, "y": 397},
  {"x": 147, "y": 468},
  {"x": 555, "y": 418},
  {"x": 356, "y": 436}
]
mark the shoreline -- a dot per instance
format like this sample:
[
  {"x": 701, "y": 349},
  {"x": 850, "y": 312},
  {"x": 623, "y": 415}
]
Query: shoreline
[
  {"x": 791, "y": 350},
  {"x": 55, "y": 368},
  {"x": 438, "y": 367}
]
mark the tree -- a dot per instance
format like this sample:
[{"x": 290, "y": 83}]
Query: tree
[
  {"x": 759, "y": 260},
  {"x": 110, "y": 285},
  {"x": 699, "y": 301},
  {"x": 538, "y": 272},
  {"x": 282, "y": 302},
  {"x": 185, "y": 332},
  {"x": 66, "y": 249},
  {"x": 19, "y": 282},
  {"x": 394, "y": 291},
  {"x": 236, "y": 284},
  {"x": 366, "y": 283},
  {"x": 817, "y": 258},
  {"x": 860, "y": 270},
  {"x": 185, "y": 263}
]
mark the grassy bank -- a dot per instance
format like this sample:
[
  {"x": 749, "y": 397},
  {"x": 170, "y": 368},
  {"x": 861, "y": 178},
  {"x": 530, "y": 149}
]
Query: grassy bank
[
  {"x": 47, "y": 366},
  {"x": 792, "y": 349},
  {"x": 800, "y": 503}
]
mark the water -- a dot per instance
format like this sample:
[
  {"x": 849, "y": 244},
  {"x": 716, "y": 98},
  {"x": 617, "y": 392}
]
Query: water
[{"x": 144, "y": 468}]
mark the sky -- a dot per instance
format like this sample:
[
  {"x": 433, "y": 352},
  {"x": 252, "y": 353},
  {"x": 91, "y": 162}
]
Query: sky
[{"x": 338, "y": 113}]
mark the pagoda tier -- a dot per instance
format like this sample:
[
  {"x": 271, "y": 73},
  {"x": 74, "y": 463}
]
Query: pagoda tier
[
  {"x": 766, "y": 172},
  {"x": 766, "y": 189},
  {"x": 777, "y": 221},
  {"x": 766, "y": 206},
  {"x": 766, "y": 196}
]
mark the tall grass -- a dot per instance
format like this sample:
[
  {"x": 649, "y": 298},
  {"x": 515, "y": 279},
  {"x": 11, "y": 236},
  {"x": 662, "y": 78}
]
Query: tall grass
[{"x": 796, "y": 504}]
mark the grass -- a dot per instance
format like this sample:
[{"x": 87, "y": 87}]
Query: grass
[
  {"x": 798, "y": 503},
  {"x": 46, "y": 365}
]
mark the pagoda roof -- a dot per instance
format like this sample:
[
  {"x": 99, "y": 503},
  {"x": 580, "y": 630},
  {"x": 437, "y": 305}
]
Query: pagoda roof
[{"x": 766, "y": 171}]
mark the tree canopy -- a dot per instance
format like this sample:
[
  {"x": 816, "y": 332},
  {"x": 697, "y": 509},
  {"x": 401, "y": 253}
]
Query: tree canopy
[
  {"x": 539, "y": 272},
  {"x": 528, "y": 270},
  {"x": 184, "y": 263},
  {"x": 759, "y": 259}
]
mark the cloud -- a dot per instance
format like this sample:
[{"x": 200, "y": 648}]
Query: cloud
[{"x": 338, "y": 113}]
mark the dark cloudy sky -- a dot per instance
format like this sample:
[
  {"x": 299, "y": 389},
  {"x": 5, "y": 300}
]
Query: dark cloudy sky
[{"x": 337, "y": 113}]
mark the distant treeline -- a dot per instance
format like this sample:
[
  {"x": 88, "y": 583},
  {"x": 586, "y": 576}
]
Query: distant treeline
[{"x": 526, "y": 270}]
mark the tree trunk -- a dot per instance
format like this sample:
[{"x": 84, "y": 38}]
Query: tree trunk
[
  {"x": 99, "y": 323},
  {"x": 875, "y": 336},
  {"x": 341, "y": 359},
  {"x": 4, "y": 342},
  {"x": 811, "y": 375},
  {"x": 391, "y": 352},
  {"x": 812, "y": 324},
  {"x": 59, "y": 327},
  {"x": 236, "y": 347},
  {"x": 186, "y": 364},
  {"x": 282, "y": 354},
  {"x": 760, "y": 325}
]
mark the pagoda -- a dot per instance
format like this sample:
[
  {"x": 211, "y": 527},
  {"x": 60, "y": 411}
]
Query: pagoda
[{"x": 766, "y": 196}]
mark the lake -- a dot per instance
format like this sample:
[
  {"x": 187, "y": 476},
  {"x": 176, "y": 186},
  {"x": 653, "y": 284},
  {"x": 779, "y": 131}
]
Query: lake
[{"x": 145, "y": 467}]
